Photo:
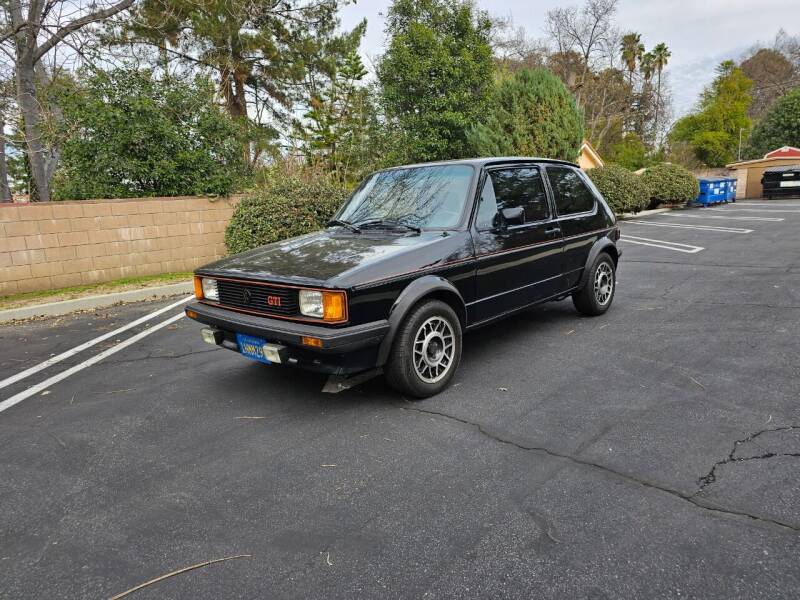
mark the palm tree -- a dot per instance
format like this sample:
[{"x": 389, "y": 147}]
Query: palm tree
[
  {"x": 647, "y": 66},
  {"x": 632, "y": 50},
  {"x": 661, "y": 55}
]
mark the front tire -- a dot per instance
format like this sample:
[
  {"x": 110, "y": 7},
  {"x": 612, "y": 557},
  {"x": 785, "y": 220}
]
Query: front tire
[
  {"x": 426, "y": 350},
  {"x": 597, "y": 293}
]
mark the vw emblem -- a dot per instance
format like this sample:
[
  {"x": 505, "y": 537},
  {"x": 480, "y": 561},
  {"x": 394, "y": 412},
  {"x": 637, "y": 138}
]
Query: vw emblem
[{"x": 246, "y": 296}]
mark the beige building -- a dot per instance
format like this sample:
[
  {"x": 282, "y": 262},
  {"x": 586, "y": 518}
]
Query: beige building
[
  {"x": 750, "y": 172},
  {"x": 589, "y": 158}
]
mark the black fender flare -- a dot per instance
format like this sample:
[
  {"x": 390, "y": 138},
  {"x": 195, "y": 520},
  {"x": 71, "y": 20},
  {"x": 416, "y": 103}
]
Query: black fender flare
[
  {"x": 604, "y": 244},
  {"x": 413, "y": 293}
]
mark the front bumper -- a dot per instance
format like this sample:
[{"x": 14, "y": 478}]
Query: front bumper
[{"x": 344, "y": 350}]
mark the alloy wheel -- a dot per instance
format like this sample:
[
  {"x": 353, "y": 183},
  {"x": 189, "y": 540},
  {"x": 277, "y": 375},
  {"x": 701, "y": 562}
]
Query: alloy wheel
[
  {"x": 434, "y": 348},
  {"x": 603, "y": 283}
]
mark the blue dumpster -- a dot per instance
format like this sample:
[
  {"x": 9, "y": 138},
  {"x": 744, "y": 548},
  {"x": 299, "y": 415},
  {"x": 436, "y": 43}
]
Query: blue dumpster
[
  {"x": 712, "y": 191},
  {"x": 732, "y": 183}
]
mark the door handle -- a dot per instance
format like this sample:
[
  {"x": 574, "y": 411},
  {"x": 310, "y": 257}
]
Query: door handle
[{"x": 553, "y": 229}]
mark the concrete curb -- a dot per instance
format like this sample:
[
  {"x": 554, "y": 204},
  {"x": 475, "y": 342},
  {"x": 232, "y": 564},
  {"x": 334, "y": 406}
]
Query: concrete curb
[
  {"x": 644, "y": 213},
  {"x": 65, "y": 307}
]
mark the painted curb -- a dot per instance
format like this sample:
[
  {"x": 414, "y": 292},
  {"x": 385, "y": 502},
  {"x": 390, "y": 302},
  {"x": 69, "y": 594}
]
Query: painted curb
[{"x": 65, "y": 307}]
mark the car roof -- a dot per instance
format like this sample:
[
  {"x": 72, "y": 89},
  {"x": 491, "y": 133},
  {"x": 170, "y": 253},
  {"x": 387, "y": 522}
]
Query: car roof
[{"x": 487, "y": 161}]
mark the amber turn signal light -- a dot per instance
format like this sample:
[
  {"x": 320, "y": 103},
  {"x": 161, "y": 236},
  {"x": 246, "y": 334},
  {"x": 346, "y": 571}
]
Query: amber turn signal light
[
  {"x": 198, "y": 288},
  {"x": 312, "y": 341},
  {"x": 334, "y": 306}
]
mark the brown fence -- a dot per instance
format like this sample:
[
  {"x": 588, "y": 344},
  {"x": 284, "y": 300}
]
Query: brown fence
[{"x": 61, "y": 244}]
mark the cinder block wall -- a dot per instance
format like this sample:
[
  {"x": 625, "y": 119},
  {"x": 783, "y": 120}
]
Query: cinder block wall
[{"x": 61, "y": 244}]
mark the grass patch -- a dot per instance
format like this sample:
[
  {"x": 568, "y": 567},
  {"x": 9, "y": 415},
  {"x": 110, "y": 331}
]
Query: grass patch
[{"x": 79, "y": 291}]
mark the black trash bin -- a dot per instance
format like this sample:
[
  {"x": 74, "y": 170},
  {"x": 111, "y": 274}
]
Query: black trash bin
[{"x": 781, "y": 182}]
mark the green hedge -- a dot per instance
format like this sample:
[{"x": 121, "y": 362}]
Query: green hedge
[
  {"x": 670, "y": 184},
  {"x": 281, "y": 208},
  {"x": 622, "y": 189}
]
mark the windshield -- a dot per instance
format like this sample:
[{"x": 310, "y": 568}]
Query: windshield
[{"x": 429, "y": 197}]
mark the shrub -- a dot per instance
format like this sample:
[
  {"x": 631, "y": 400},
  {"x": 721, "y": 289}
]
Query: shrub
[
  {"x": 670, "y": 184},
  {"x": 133, "y": 135},
  {"x": 282, "y": 207},
  {"x": 622, "y": 189},
  {"x": 532, "y": 114}
]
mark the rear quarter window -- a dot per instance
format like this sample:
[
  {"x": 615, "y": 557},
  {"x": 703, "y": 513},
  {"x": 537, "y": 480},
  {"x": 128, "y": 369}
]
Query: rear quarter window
[{"x": 571, "y": 194}]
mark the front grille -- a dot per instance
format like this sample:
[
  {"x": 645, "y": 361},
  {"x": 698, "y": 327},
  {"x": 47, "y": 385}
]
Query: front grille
[{"x": 262, "y": 298}]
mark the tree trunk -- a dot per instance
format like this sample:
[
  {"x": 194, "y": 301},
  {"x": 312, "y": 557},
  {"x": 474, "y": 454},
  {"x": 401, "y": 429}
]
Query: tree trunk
[
  {"x": 658, "y": 106},
  {"x": 233, "y": 90},
  {"x": 5, "y": 191},
  {"x": 29, "y": 109}
]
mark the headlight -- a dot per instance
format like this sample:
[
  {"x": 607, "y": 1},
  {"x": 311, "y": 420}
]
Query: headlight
[
  {"x": 329, "y": 306},
  {"x": 210, "y": 291},
  {"x": 311, "y": 304}
]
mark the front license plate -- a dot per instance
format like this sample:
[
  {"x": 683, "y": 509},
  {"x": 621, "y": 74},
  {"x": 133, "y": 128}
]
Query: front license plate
[
  {"x": 790, "y": 183},
  {"x": 251, "y": 347}
]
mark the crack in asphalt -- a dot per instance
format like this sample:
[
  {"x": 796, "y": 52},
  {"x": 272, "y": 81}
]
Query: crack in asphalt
[
  {"x": 711, "y": 476},
  {"x": 690, "y": 498}
]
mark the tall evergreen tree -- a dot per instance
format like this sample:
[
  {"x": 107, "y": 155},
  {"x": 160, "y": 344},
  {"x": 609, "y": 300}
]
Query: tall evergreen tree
[
  {"x": 436, "y": 74},
  {"x": 533, "y": 114}
]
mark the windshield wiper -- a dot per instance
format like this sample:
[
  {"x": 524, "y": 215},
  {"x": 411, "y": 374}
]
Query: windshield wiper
[
  {"x": 342, "y": 223},
  {"x": 390, "y": 223}
]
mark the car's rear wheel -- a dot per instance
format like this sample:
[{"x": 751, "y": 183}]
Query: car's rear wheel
[
  {"x": 426, "y": 350},
  {"x": 597, "y": 293}
]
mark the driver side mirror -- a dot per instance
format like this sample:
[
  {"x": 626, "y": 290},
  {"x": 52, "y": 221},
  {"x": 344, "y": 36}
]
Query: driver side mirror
[{"x": 513, "y": 216}]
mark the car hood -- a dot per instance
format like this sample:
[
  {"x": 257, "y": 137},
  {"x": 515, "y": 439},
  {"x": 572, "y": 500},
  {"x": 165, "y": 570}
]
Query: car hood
[{"x": 328, "y": 258}]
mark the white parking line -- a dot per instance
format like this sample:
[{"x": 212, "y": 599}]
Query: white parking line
[
  {"x": 767, "y": 205},
  {"x": 774, "y": 219},
  {"x": 766, "y": 211},
  {"x": 64, "y": 355},
  {"x": 687, "y": 226},
  {"x": 33, "y": 390},
  {"x": 687, "y": 248}
]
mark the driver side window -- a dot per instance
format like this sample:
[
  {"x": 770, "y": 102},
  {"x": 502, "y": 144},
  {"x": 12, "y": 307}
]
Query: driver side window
[{"x": 511, "y": 188}]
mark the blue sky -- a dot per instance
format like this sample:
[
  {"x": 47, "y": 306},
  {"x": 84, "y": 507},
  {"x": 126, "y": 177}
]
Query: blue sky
[{"x": 700, "y": 33}]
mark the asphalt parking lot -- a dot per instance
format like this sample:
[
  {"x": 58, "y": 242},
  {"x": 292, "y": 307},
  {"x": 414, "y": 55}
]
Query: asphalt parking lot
[{"x": 653, "y": 452}]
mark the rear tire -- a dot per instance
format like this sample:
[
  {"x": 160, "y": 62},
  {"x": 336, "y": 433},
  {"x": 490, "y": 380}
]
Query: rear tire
[
  {"x": 426, "y": 350},
  {"x": 596, "y": 295}
]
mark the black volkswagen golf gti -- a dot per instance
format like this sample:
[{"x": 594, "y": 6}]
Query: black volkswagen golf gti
[{"x": 417, "y": 255}]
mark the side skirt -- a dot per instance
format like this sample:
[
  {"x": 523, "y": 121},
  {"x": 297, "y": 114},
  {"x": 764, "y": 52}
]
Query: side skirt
[{"x": 508, "y": 313}]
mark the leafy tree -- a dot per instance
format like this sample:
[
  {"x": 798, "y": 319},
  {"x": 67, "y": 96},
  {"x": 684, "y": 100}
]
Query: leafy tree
[
  {"x": 437, "y": 74},
  {"x": 532, "y": 114},
  {"x": 136, "y": 136},
  {"x": 32, "y": 31},
  {"x": 259, "y": 52},
  {"x": 779, "y": 127},
  {"x": 341, "y": 131},
  {"x": 713, "y": 130},
  {"x": 630, "y": 153},
  {"x": 773, "y": 75}
]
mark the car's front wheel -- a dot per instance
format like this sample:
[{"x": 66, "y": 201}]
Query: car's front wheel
[
  {"x": 426, "y": 350},
  {"x": 596, "y": 295}
]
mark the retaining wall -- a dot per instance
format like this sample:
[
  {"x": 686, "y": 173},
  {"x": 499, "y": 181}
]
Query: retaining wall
[{"x": 52, "y": 245}]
